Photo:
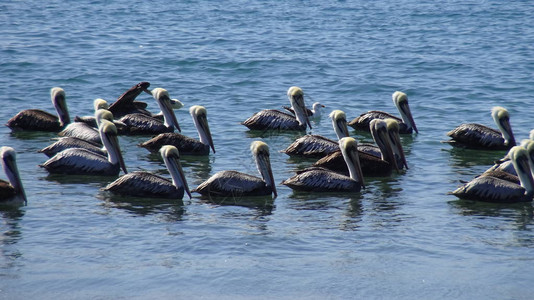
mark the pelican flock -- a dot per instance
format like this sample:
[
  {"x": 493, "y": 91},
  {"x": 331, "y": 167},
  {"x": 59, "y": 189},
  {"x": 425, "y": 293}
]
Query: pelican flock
[{"x": 90, "y": 146}]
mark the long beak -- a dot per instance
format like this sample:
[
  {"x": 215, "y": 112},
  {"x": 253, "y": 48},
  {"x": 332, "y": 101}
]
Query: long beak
[
  {"x": 12, "y": 173},
  {"x": 524, "y": 173},
  {"x": 387, "y": 151},
  {"x": 62, "y": 110},
  {"x": 177, "y": 173},
  {"x": 169, "y": 112},
  {"x": 505, "y": 123},
  {"x": 396, "y": 142},
  {"x": 264, "y": 166},
  {"x": 203, "y": 122},
  {"x": 353, "y": 154},
  {"x": 406, "y": 110},
  {"x": 341, "y": 124},
  {"x": 114, "y": 140},
  {"x": 300, "y": 109}
]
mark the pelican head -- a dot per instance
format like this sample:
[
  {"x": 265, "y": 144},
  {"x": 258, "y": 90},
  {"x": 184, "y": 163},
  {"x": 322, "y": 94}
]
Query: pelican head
[
  {"x": 339, "y": 122},
  {"x": 59, "y": 101},
  {"x": 9, "y": 164},
  {"x": 317, "y": 109},
  {"x": 164, "y": 102},
  {"x": 176, "y": 104},
  {"x": 171, "y": 157},
  {"x": 394, "y": 139},
  {"x": 520, "y": 160},
  {"x": 529, "y": 145},
  {"x": 108, "y": 134},
  {"x": 100, "y": 103},
  {"x": 260, "y": 151},
  {"x": 296, "y": 98},
  {"x": 531, "y": 135},
  {"x": 199, "y": 115},
  {"x": 379, "y": 131},
  {"x": 103, "y": 114},
  {"x": 401, "y": 102},
  {"x": 502, "y": 119},
  {"x": 349, "y": 149}
]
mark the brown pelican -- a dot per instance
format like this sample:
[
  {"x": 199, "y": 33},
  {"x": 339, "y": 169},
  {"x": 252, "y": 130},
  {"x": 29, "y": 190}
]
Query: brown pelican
[
  {"x": 86, "y": 132},
  {"x": 505, "y": 164},
  {"x": 84, "y": 162},
  {"x": 312, "y": 145},
  {"x": 235, "y": 184},
  {"x": 323, "y": 180},
  {"x": 492, "y": 189},
  {"x": 372, "y": 165},
  {"x": 482, "y": 137},
  {"x": 406, "y": 124},
  {"x": 146, "y": 184},
  {"x": 11, "y": 191},
  {"x": 71, "y": 142},
  {"x": 139, "y": 124},
  {"x": 98, "y": 103},
  {"x": 314, "y": 113},
  {"x": 38, "y": 120},
  {"x": 125, "y": 104},
  {"x": 186, "y": 145},
  {"x": 275, "y": 119}
]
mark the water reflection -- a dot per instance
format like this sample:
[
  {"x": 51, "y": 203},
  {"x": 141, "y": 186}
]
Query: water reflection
[
  {"x": 263, "y": 205},
  {"x": 100, "y": 180},
  {"x": 462, "y": 157},
  {"x": 10, "y": 234},
  {"x": 172, "y": 209},
  {"x": 196, "y": 167}
]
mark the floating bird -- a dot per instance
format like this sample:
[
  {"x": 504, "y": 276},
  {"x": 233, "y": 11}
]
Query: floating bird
[
  {"x": 314, "y": 113},
  {"x": 126, "y": 103},
  {"x": 11, "y": 191},
  {"x": 380, "y": 164},
  {"x": 269, "y": 119},
  {"x": 186, "y": 145},
  {"x": 138, "y": 123},
  {"x": 323, "y": 180},
  {"x": 80, "y": 161},
  {"x": 98, "y": 103},
  {"x": 312, "y": 145},
  {"x": 38, "y": 120},
  {"x": 492, "y": 189},
  {"x": 505, "y": 164},
  {"x": 72, "y": 142},
  {"x": 478, "y": 136},
  {"x": 406, "y": 124},
  {"x": 146, "y": 184},
  {"x": 86, "y": 132},
  {"x": 236, "y": 184}
]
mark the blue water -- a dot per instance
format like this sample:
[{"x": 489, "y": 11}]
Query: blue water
[{"x": 401, "y": 238}]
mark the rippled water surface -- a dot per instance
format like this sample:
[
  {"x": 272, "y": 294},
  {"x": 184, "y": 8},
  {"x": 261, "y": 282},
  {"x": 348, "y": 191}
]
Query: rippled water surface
[{"x": 403, "y": 237}]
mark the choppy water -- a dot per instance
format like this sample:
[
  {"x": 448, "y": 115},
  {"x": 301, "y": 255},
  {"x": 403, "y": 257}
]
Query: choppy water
[{"x": 402, "y": 238}]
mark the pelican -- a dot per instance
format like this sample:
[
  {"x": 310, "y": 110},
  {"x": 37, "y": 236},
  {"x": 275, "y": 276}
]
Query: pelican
[
  {"x": 146, "y": 184},
  {"x": 72, "y": 142},
  {"x": 406, "y": 124},
  {"x": 371, "y": 164},
  {"x": 492, "y": 189},
  {"x": 505, "y": 164},
  {"x": 315, "y": 112},
  {"x": 126, "y": 103},
  {"x": 12, "y": 190},
  {"x": 98, "y": 103},
  {"x": 86, "y": 132},
  {"x": 80, "y": 161},
  {"x": 481, "y": 137},
  {"x": 38, "y": 120},
  {"x": 139, "y": 123},
  {"x": 312, "y": 145},
  {"x": 323, "y": 180},
  {"x": 186, "y": 145},
  {"x": 274, "y": 119},
  {"x": 235, "y": 184}
]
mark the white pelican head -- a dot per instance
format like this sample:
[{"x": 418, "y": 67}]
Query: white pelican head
[
  {"x": 501, "y": 117},
  {"x": 296, "y": 98},
  {"x": 339, "y": 122},
  {"x": 200, "y": 118},
  {"x": 171, "y": 157},
  {"x": 260, "y": 151},
  {"x": 401, "y": 102}
]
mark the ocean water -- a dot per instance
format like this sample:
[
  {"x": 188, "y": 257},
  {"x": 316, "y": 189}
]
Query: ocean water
[{"x": 402, "y": 237}]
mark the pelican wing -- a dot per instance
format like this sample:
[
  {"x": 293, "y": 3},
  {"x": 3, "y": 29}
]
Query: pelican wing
[
  {"x": 184, "y": 144},
  {"x": 311, "y": 146},
  {"x": 34, "y": 119},
  {"x": 272, "y": 119},
  {"x": 6, "y": 190},
  {"x": 71, "y": 142},
  {"x": 144, "y": 184},
  {"x": 125, "y": 103},
  {"x": 82, "y": 131},
  {"x": 491, "y": 189},
  {"x": 142, "y": 124},
  {"x": 370, "y": 164},
  {"x": 233, "y": 184},
  {"x": 362, "y": 122},
  {"x": 321, "y": 180},
  {"x": 477, "y": 136},
  {"x": 80, "y": 162}
]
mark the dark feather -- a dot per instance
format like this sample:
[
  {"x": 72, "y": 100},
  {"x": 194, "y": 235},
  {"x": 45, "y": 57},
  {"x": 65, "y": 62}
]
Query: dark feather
[
  {"x": 184, "y": 144},
  {"x": 34, "y": 119},
  {"x": 144, "y": 184},
  {"x": 477, "y": 136},
  {"x": 233, "y": 184},
  {"x": 273, "y": 119}
]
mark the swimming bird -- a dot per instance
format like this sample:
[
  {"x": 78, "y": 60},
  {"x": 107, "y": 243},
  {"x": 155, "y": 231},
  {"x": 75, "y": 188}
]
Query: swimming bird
[
  {"x": 236, "y": 184},
  {"x": 126, "y": 103},
  {"x": 375, "y": 165},
  {"x": 185, "y": 144},
  {"x": 13, "y": 190},
  {"x": 505, "y": 164},
  {"x": 86, "y": 132},
  {"x": 312, "y": 145},
  {"x": 146, "y": 184},
  {"x": 84, "y": 162},
  {"x": 98, "y": 103},
  {"x": 139, "y": 124},
  {"x": 68, "y": 142},
  {"x": 478, "y": 136},
  {"x": 316, "y": 179},
  {"x": 406, "y": 124},
  {"x": 38, "y": 120},
  {"x": 492, "y": 189},
  {"x": 271, "y": 119},
  {"x": 315, "y": 112}
]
